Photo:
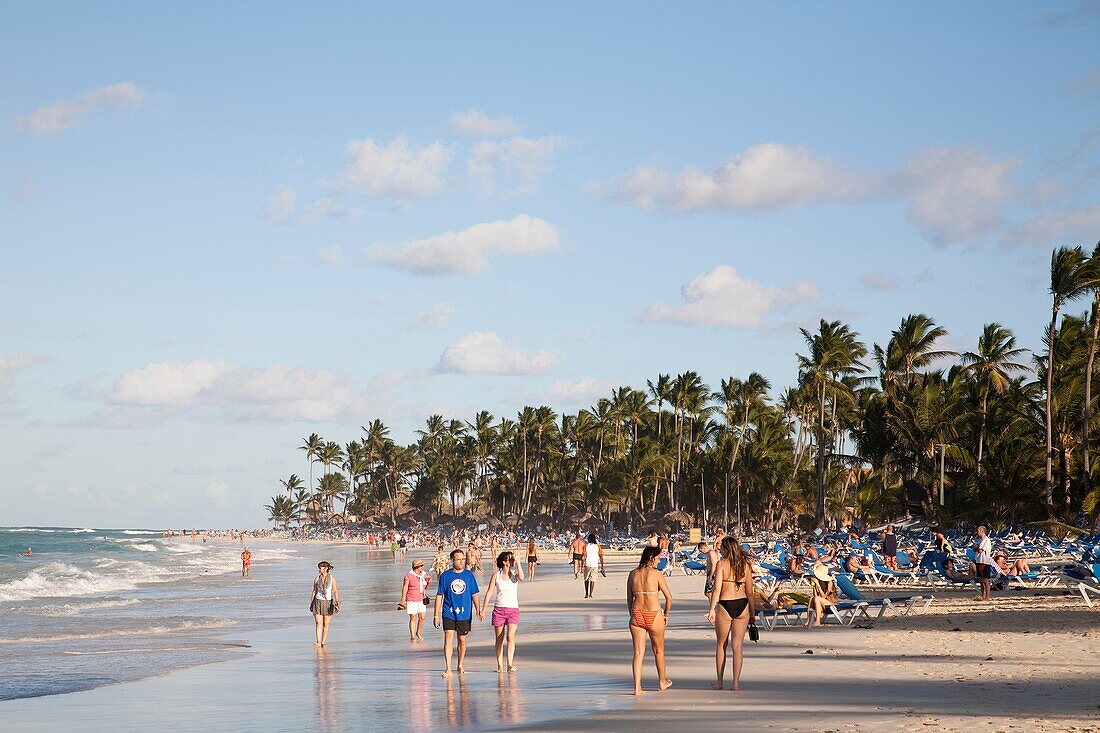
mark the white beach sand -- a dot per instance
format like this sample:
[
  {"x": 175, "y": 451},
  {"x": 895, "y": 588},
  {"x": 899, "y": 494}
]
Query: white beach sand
[{"x": 1023, "y": 662}]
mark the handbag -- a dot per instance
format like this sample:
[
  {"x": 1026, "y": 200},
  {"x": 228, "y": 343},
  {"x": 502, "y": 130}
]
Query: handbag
[{"x": 754, "y": 633}]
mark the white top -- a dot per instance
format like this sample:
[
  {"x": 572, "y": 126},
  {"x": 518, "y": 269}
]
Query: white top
[
  {"x": 985, "y": 551},
  {"x": 592, "y": 555},
  {"x": 507, "y": 591},
  {"x": 324, "y": 588}
]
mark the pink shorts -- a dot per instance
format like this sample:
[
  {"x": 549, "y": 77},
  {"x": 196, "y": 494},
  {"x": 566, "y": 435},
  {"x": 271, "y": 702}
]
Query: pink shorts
[{"x": 505, "y": 616}]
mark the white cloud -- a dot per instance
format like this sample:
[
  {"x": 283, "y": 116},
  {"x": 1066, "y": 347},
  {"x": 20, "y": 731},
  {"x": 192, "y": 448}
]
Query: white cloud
[
  {"x": 331, "y": 255},
  {"x": 14, "y": 364},
  {"x": 485, "y": 353},
  {"x": 1067, "y": 226},
  {"x": 214, "y": 389},
  {"x": 571, "y": 393},
  {"x": 520, "y": 161},
  {"x": 435, "y": 318},
  {"x": 722, "y": 297},
  {"x": 280, "y": 208},
  {"x": 328, "y": 207},
  {"x": 72, "y": 112},
  {"x": 478, "y": 124},
  {"x": 765, "y": 176},
  {"x": 398, "y": 169},
  {"x": 955, "y": 194},
  {"x": 880, "y": 281},
  {"x": 468, "y": 251},
  {"x": 1087, "y": 85}
]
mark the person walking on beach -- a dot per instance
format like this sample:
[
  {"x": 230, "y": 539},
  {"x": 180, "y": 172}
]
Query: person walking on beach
[
  {"x": 983, "y": 546},
  {"x": 593, "y": 563},
  {"x": 889, "y": 548},
  {"x": 456, "y": 600},
  {"x": 246, "y": 563},
  {"x": 473, "y": 557},
  {"x": 413, "y": 591},
  {"x": 576, "y": 547},
  {"x": 733, "y": 585},
  {"x": 646, "y": 617},
  {"x": 532, "y": 557},
  {"x": 505, "y": 617},
  {"x": 324, "y": 602}
]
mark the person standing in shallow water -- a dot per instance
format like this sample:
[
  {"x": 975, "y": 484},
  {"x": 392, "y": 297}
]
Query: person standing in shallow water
[
  {"x": 325, "y": 601},
  {"x": 457, "y": 599},
  {"x": 506, "y": 582},
  {"x": 246, "y": 563},
  {"x": 646, "y": 617}
]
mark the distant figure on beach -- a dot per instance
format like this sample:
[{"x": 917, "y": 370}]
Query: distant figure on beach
[
  {"x": 651, "y": 539},
  {"x": 733, "y": 585},
  {"x": 473, "y": 557},
  {"x": 505, "y": 617},
  {"x": 1010, "y": 567},
  {"x": 439, "y": 562},
  {"x": 532, "y": 557},
  {"x": 593, "y": 563},
  {"x": 456, "y": 600},
  {"x": 576, "y": 547},
  {"x": 983, "y": 546},
  {"x": 246, "y": 563},
  {"x": 413, "y": 592},
  {"x": 402, "y": 545},
  {"x": 890, "y": 548},
  {"x": 823, "y": 591},
  {"x": 646, "y": 617},
  {"x": 324, "y": 602},
  {"x": 393, "y": 548}
]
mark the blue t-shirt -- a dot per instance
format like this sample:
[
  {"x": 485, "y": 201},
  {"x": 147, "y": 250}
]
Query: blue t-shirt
[{"x": 457, "y": 589}]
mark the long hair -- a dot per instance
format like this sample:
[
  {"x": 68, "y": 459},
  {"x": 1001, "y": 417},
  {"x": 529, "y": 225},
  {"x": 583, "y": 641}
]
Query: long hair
[
  {"x": 505, "y": 557},
  {"x": 647, "y": 555},
  {"x": 734, "y": 554},
  {"x": 531, "y": 545}
]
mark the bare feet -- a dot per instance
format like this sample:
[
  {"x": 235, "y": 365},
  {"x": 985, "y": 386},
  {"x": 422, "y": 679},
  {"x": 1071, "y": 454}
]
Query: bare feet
[
  {"x": 638, "y": 692},
  {"x": 446, "y": 675},
  {"x": 665, "y": 684},
  {"x": 512, "y": 668},
  {"x": 500, "y": 670},
  {"x": 716, "y": 685},
  {"x": 735, "y": 687},
  {"x": 461, "y": 670}
]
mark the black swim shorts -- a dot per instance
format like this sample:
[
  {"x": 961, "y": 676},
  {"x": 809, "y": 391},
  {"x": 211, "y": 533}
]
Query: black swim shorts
[{"x": 462, "y": 627}]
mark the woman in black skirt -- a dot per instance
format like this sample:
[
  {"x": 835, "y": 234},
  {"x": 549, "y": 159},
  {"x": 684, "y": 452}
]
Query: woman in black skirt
[{"x": 325, "y": 601}]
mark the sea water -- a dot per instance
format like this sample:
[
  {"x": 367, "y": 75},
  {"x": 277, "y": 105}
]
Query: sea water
[{"x": 91, "y": 607}]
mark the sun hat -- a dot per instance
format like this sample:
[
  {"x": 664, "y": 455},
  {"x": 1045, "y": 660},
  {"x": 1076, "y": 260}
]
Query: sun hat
[
  {"x": 822, "y": 573},
  {"x": 326, "y": 563},
  {"x": 418, "y": 563}
]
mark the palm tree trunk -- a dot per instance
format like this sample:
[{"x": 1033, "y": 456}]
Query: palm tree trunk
[
  {"x": 1086, "y": 417},
  {"x": 1049, "y": 421},
  {"x": 981, "y": 433}
]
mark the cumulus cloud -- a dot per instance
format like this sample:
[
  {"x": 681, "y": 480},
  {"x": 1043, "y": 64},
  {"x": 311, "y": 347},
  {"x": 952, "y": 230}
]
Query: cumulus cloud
[
  {"x": 280, "y": 208},
  {"x": 880, "y": 281},
  {"x": 72, "y": 112},
  {"x": 722, "y": 297},
  {"x": 955, "y": 194},
  {"x": 486, "y": 353},
  {"x": 398, "y": 169},
  {"x": 14, "y": 364},
  {"x": 519, "y": 162},
  {"x": 1067, "y": 226},
  {"x": 478, "y": 124},
  {"x": 215, "y": 389},
  {"x": 435, "y": 318},
  {"x": 468, "y": 251},
  {"x": 765, "y": 176}
]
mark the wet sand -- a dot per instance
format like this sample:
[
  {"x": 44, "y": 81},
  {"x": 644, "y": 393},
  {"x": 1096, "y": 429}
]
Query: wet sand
[{"x": 1028, "y": 661}]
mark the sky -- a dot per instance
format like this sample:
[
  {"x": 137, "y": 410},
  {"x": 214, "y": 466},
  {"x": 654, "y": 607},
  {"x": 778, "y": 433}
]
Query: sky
[{"x": 224, "y": 227}]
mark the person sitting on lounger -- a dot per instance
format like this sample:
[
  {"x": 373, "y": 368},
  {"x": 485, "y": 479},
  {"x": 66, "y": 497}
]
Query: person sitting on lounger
[
  {"x": 954, "y": 574},
  {"x": 857, "y": 563},
  {"x": 823, "y": 587},
  {"x": 1010, "y": 567}
]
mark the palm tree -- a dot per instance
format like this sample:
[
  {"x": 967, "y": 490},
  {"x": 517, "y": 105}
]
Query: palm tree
[
  {"x": 281, "y": 509},
  {"x": 992, "y": 366},
  {"x": 312, "y": 447},
  {"x": 1067, "y": 282},
  {"x": 291, "y": 485},
  {"x": 1090, "y": 279}
]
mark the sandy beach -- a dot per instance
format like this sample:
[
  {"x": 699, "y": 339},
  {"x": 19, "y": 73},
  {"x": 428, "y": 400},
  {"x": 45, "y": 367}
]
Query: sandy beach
[{"x": 1026, "y": 661}]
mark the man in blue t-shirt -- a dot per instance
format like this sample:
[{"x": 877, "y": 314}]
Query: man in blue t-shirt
[{"x": 456, "y": 601}]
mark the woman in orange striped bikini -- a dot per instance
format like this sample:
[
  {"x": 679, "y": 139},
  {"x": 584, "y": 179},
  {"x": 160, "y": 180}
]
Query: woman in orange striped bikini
[{"x": 646, "y": 616}]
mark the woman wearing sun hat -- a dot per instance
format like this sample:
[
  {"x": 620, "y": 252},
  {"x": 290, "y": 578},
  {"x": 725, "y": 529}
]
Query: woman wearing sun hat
[
  {"x": 325, "y": 601},
  {"x": 824, "y": 593},
  {"x": 413, "y": 591}
]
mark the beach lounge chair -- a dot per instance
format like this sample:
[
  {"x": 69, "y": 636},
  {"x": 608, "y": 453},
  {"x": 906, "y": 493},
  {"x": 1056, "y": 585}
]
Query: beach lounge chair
[
  {"x": 1089, "y": 587},
  {"x": 899, "y": 606}
]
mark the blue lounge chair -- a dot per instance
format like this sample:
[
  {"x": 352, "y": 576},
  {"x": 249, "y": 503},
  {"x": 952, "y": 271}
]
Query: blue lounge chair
[{"x": 899, "y": 606}]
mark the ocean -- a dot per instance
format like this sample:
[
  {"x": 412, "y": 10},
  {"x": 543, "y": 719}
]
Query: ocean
[{"x": 92, "y": 607}]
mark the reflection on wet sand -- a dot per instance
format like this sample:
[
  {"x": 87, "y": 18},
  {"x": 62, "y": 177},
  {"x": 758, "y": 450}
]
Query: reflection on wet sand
[
  {"x": 511, "y": 699},
  {"x": 327, "y": 678},
  {"x": 460, "y": 713}
]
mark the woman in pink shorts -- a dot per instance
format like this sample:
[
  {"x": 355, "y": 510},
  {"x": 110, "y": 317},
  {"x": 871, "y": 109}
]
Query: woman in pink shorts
[{"x": 506, "y": 580}]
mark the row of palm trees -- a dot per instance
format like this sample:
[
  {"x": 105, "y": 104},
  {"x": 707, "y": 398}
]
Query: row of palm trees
[{"x": 875, "y": 432}]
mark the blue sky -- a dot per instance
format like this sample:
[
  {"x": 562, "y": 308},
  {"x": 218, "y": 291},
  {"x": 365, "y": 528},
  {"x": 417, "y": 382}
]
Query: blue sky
[{"x": 222, "y": 231}]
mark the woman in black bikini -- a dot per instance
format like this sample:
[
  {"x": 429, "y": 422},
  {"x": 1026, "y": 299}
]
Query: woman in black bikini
[
  {"x": 733, "y": 583},
  {"x": 646, "y": 618}
]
